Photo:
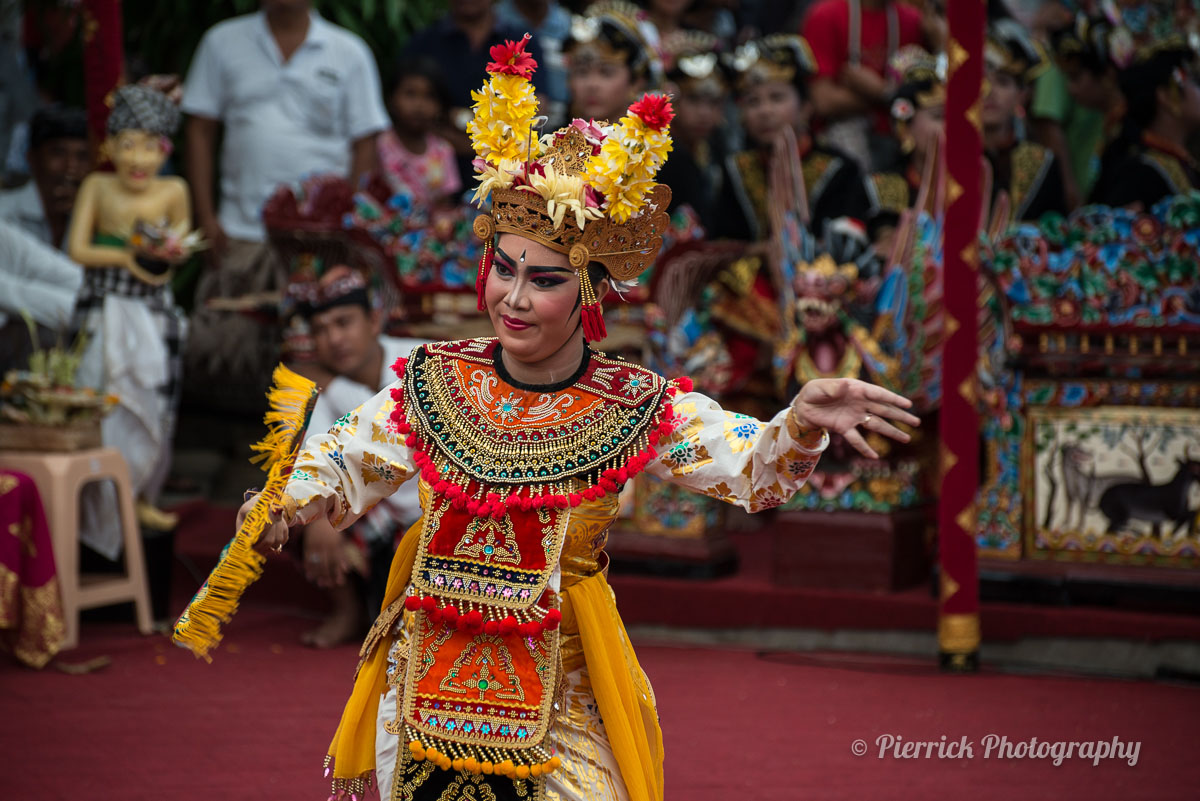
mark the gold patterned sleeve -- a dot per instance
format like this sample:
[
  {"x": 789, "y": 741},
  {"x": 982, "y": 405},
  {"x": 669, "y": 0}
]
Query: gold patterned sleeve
[
  {"x": 734, "y": 457},
  {"x": 345, "y": 471}
]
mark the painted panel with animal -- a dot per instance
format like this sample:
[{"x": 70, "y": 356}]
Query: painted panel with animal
[{"x": 1113, "y": 484}]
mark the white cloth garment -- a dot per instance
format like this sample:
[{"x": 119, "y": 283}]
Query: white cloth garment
[
  {"x": 282, "y": 120},
  {"x": 36, "y": 278}
]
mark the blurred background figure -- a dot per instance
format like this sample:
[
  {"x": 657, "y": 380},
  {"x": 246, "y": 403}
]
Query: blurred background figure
[
  {"x": 1028, "y": 172},
  {"x": 352, "y": 565},
  {"x": 919, "y": 120},
  {"x": 852, "y": 41},
  {"x": 612, "y": 61},
  {"x": 460, "y": 42},
  {"x": 700, "y": 90},
  {"x": 287, "y": 94},
  {"x": 36, "y": 278},
  {"x": 58, "y": 160},
  {"x": 550, "y": 25},
  {"x": 771, "y": 89},
  {"x": 1158, "y": 72},
  {"x": 1097, "y": 105},
  {"x": 411, "y": 155}
]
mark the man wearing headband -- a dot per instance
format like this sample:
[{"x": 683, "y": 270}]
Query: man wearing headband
[
  {"x": 351, "y": 566},
  {"x": 611, "y": 60}
]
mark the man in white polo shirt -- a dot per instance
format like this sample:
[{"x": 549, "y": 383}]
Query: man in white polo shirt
[{"x": 296, "y": 96}]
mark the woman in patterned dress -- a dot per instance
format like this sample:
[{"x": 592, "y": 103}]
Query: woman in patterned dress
[{"x": 499, "y": 667}]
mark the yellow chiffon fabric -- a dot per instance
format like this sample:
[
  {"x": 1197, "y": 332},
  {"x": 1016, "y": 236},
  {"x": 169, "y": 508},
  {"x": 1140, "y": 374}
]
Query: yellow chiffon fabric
[{"x": 623, "y": 695}]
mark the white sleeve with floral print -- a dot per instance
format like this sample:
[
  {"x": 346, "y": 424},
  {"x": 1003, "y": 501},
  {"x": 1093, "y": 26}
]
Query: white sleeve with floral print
[
  {"x": 734, "y": 457},
  {"x": 360, "y": 461}
]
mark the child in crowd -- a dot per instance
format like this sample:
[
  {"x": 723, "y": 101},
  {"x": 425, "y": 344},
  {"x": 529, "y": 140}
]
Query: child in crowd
[
  {"x": 772, "y": 97},
  {"x": 1028, "y": 172},
  {"x": 610, "y": 61},
  {"x": 411, "y": 156}
]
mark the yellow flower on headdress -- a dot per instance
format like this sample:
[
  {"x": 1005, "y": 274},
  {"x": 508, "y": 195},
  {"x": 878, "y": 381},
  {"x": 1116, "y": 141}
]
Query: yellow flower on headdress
[
  {"x": 505, "y": 106},
  {"x": 624, "y": 169}
]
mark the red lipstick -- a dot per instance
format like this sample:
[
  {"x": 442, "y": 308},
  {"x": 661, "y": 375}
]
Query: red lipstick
[{"x": 513, "y": 323}]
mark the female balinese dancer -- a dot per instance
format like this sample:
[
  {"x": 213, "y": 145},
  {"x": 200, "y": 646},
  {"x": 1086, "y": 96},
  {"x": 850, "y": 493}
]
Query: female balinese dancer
[{"x": 499, "y": 667}]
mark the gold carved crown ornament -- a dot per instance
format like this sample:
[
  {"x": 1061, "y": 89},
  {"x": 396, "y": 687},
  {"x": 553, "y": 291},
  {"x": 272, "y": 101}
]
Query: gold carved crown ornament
[{"x": 586, "y": 190}]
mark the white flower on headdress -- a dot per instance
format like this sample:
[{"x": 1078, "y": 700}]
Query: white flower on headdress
[
  {"x": 562, "y": 193},
  {"x": 585, "y": 29},
  {"x": 698, "y": 66},
  {"x": 745, "y": 56},
  {"x": 491, "y": 177},
  {"x": 902, "y": 109}
]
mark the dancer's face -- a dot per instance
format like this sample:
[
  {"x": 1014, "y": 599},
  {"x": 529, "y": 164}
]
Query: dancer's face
[{"x": 532, "y": 297}]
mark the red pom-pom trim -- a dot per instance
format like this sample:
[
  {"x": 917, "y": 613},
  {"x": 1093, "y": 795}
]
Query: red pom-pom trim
[
  {"x": 412, "y": 603},
  {"x": 464, "y": 494}
]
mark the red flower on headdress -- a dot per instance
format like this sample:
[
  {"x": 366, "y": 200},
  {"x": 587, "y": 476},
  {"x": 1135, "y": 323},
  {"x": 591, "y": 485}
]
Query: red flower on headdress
[
  {"x": 654, "y": 110},
  {"x": 510, "y": 58}
]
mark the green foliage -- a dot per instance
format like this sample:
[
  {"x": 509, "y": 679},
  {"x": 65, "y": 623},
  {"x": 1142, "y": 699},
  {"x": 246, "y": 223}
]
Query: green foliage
[{"x": 162, "y": 37}]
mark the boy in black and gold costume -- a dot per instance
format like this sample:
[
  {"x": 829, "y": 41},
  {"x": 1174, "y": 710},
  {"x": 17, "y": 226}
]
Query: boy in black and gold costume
[
  {"x": 770, "y": 75},
  {"x": 1159, "y": 76},
  {"x": 1027, "y": 171}
]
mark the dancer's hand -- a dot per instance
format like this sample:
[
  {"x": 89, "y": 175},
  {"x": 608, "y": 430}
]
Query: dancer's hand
[
  {"x": 841, "y": 405},
  {"x": 274, "y": 537},
  {"x": 324, "y": 554}
]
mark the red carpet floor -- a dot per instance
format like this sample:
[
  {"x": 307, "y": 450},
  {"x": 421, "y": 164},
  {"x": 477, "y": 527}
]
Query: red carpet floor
[{"x": 158, "y": 724}]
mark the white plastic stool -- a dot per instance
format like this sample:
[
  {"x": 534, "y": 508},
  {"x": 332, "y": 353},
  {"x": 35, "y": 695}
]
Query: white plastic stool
[{"x": 59, "y": 478}]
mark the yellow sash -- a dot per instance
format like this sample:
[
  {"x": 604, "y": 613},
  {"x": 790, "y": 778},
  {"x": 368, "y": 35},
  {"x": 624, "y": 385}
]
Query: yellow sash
[{"x": 624, "y": 696}]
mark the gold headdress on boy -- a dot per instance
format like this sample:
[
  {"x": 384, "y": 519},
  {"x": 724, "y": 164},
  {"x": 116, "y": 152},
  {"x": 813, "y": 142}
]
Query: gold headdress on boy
[{"x": 586, "y": 190}]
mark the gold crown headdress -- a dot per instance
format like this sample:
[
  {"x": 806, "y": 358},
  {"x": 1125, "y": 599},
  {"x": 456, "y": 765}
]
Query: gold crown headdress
[
  {"x": 921, "y": 79},
  {"x": 616, "y": 31},
  {"x": 586, "y": 190},
  {"x": 1009, "y": 49},
  {"x": 778, "y": 57},
  {"x": 694, "y": 63}
]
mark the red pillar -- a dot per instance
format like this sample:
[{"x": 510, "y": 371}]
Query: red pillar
[
  {"x": 103, "y": 60},
  {"x": 958, "y": 610}
]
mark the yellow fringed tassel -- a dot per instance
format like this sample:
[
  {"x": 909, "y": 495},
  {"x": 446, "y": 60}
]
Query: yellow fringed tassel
[{"x": 291, "y": 401}]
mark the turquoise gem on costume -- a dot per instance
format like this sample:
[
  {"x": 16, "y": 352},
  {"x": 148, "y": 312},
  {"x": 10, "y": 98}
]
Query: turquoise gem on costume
[{"x": 488, "y": 549}]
